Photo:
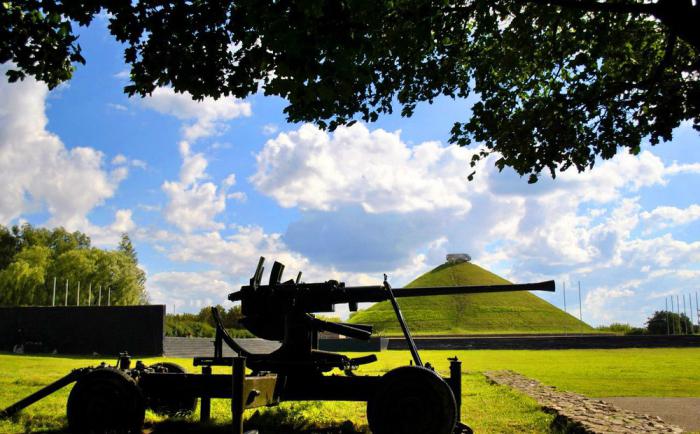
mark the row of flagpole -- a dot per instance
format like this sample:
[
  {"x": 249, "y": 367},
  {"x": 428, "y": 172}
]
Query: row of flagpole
[
  {"x": 77, "y": 298},
  {"x": 685, "y": 312},
  {"x": 580, "y": 303}
]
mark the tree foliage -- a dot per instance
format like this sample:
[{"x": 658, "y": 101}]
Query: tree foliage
[
  {"x": 560, "y": 82},
  {"x": 30, "y": 259}
]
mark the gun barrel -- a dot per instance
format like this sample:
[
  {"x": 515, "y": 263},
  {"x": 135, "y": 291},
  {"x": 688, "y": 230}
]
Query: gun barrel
[
  {"x": 450, "y": 290},
  {"x": 376, "y": 293}
]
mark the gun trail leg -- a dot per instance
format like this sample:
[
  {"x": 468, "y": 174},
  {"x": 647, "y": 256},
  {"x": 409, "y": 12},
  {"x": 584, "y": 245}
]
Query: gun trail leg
[
  {"x": 237, "y": 400},
  {"x": 205, "y": 408}
]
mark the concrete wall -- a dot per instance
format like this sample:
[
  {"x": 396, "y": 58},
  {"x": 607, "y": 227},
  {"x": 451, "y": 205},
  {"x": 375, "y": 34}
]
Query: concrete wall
[
  {"x": 105, "y": 330},
  {"x": 353, "y": 345}
]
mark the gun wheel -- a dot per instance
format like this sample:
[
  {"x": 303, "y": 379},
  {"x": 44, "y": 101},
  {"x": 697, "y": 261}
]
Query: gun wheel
[
  {"x": 106, "y": 400},
  {"x": 412, "y": 400},
  {"x": 174, "y": 402}
]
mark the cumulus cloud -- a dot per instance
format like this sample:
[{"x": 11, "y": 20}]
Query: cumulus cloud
[
  {"x": 600, "y": 302},
  {"x": 37, "y": 171},
  {"x": 315, "y": 170},
  {"x": 663, "y": 217},
  {"x": 233, "y": 259},
  {"x": 269, "y": 129},
  {"x": 109, "y": 235},
  {"x": 194, "y": 206},
  {"x": 193, "y": 202},
  {"x": 207, "y": 117},
  {"x": 188, "y": 291}
]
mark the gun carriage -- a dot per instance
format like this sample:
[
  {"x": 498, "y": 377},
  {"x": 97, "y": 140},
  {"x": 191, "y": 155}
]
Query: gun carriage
[{"x": 410, "y": 399}]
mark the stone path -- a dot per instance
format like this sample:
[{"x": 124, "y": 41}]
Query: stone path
[
  {"x": 579, "y": 414},
  {"x": 684, "y": 412}
]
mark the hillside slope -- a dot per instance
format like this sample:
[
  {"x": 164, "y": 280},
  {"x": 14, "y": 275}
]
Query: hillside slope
[{"x": 502, "y": 312}]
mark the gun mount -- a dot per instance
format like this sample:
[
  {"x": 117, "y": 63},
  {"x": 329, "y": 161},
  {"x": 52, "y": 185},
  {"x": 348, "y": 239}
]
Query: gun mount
[{"x": 407, "y": 400}]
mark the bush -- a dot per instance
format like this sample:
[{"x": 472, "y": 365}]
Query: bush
[
  {"x": 622, "y": 329},
  {"x": 616, "y": 327}
]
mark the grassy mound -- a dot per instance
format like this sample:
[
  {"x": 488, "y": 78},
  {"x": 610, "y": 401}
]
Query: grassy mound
[{"x": 498, "y": 313}]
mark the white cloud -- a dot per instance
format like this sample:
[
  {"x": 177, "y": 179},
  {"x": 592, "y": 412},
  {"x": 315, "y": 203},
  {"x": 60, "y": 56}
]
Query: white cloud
[
  {"x": 663, "y": 217},
  {"x": 37, "y": 171},
  {"x": 118, "y": 107},
  {"x": 149, "y": 208},
  {"x": 119, "y": 159},
  {"x": 269, "y": 129},
  {"x": 234, "y": 259},
  {"x": 124, "y": 74},
  {"x": 140, "y": 164},
  {"x": 195, "y": 204},
  {"x": 314, "y": 170},
  {"x": 600, "y": 301},
  {"x": 188, "y": 291},
  {"x": 109, "y": 236},
  {"x": 209, "y": 115}
]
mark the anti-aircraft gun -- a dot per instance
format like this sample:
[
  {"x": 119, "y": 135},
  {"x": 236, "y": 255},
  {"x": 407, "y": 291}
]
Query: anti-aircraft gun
[
  {"x": 410, "y": 399},
  {"x": 407, "y": 400}
]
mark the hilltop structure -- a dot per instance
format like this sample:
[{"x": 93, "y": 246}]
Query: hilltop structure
[
  {"x": 456, "y": 258},
  {"x": 489, "y": 313}
]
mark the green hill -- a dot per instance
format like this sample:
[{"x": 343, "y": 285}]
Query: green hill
[{"x": 500, "y": 312}]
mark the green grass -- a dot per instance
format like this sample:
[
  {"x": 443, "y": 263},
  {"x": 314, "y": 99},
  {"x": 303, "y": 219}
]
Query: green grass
[
  {"x": 497, "y": 313},
  {"x": 487, "y": 408}
]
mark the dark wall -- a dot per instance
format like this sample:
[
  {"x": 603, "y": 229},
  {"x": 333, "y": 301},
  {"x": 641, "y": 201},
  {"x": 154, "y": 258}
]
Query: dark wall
[{"x": 105, "y": 330}]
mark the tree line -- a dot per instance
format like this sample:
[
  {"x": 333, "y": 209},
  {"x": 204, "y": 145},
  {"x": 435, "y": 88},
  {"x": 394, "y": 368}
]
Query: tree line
[
  {"x": 202, "y": 324},
  {"x": 32, "y": 257}
]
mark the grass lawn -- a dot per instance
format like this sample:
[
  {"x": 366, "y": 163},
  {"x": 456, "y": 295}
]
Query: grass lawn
[{"x": 487, "y": 408}]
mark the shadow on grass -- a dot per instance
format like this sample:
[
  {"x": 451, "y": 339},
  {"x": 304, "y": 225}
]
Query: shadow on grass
[
  {"x": 185, "y": 427},
  {"x": 263, "y": 424},
  {"x": 299, "y": 419}
]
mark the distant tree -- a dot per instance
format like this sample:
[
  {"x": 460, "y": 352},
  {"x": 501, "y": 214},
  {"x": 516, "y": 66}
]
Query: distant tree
[
  {"x": 62, "y": 241},
  {"x": 58, "y": 239},
  {"x": 9, "y": 247},
  {"x": 118, "y": 271},
  {"x": 23, "y": 281},
  {"x": 127, "y": 248},
  {"x": 662, "y": 322},
  {"x": 616, "y": 328}
]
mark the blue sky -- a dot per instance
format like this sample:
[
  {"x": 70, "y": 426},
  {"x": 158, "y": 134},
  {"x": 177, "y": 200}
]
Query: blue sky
[{"x": 204, "y": 188}]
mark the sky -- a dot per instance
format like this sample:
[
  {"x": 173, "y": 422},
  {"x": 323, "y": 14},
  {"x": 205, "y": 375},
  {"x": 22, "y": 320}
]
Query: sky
[{"x": 205, "y": 188}]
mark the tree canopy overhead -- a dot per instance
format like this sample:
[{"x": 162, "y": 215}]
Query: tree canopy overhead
[{"x": 559, "y": 82}]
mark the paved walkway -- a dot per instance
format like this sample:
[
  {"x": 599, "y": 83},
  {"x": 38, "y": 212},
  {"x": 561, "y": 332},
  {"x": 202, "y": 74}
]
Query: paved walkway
[
  {"x": 684, "y": 412},
  {"x": 577, "y": 413}
]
